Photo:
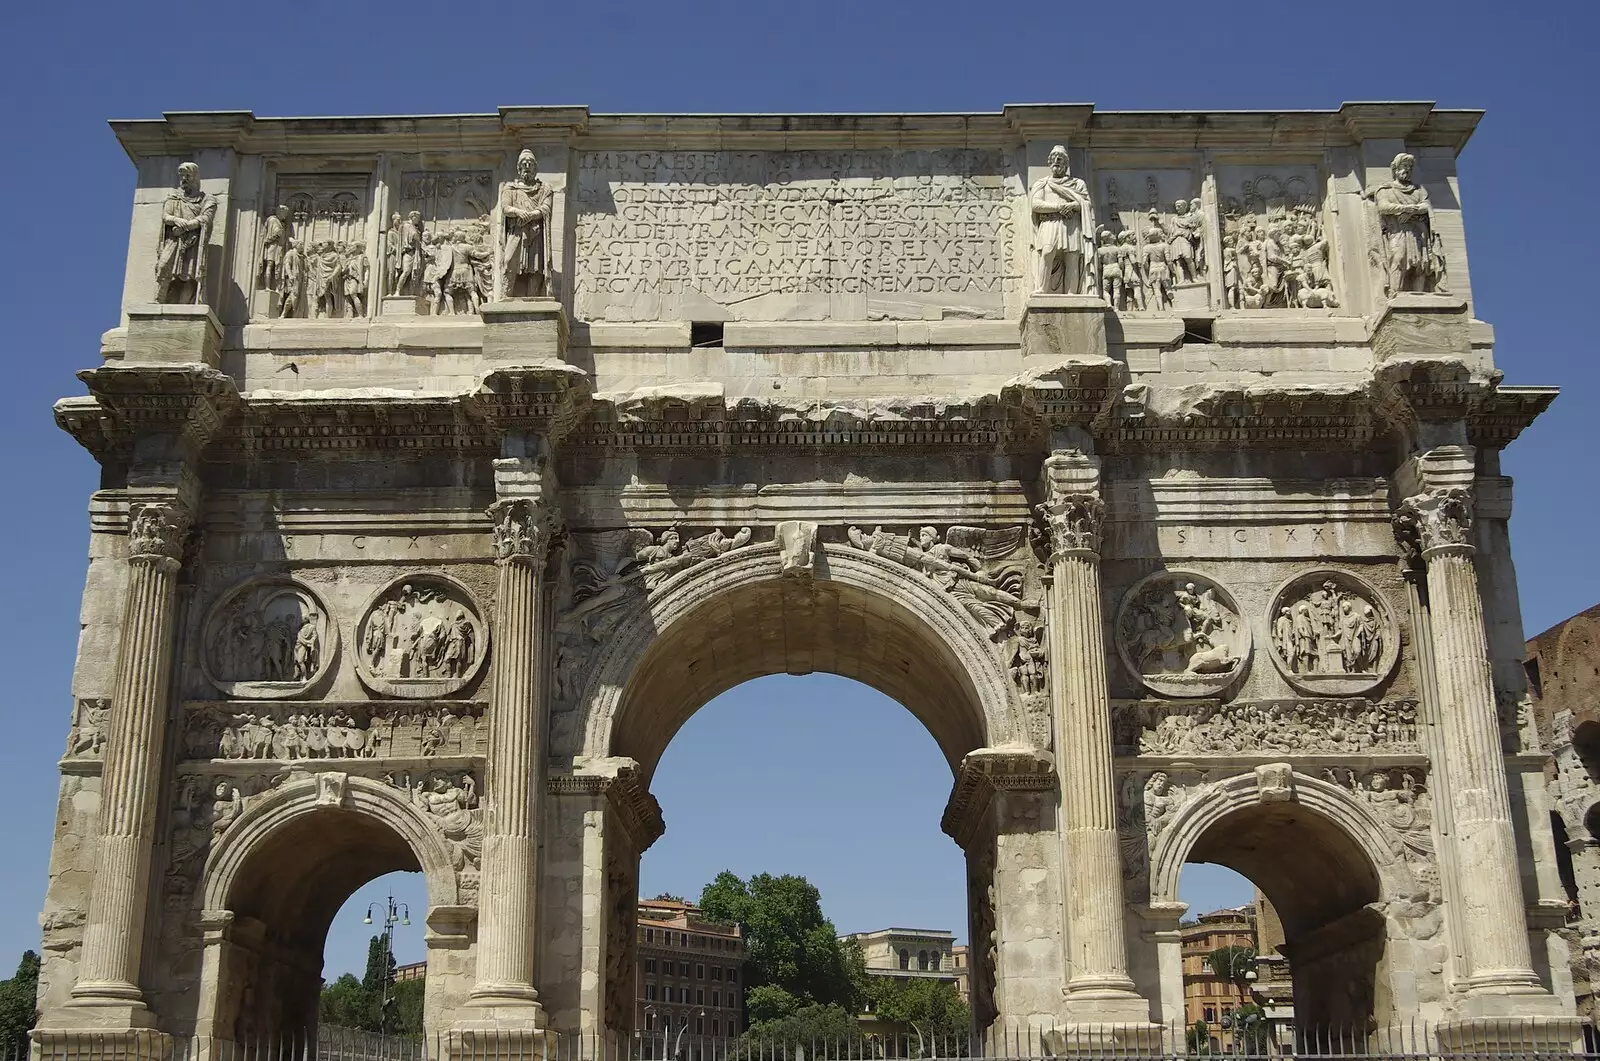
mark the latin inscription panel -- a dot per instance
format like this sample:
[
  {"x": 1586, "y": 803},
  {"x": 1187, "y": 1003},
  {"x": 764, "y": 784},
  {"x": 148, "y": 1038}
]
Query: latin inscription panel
[{"x": 796, "y": 235}]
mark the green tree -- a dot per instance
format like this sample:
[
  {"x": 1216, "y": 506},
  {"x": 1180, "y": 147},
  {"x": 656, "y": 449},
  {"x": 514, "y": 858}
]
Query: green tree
[
  {"x": 790, "y": 944},
  {"x": 808, "y": 1023},
  {"x": 668, "y": 897},
  {"x": 346, "y": 1003},
  {"x": 929, "y": 1011},
  {"x": 380, "y": 966},
  {"x": 1234, "y": 964},
  {"x": 408, "y": 996},
  {"x": 18, "y": 999},
  {"x": 1199, "y": 1038}
]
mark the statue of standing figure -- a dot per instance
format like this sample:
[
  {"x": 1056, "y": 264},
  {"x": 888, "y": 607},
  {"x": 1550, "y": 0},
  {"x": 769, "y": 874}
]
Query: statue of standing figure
[
  {"x": 1063, "y": 227},
  {"x": 1412, "y": 260},
  {"x": 525, "y": 240},
  {"x": 186, "y": 220}
]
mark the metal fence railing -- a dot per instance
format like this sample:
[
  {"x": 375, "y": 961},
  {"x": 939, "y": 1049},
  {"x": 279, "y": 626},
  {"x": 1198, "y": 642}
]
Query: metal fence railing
[{"x": 1507, "y": 1039}]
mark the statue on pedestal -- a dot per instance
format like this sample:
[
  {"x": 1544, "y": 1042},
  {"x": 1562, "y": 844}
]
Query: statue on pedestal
[
  {"x": 186, "y": 221},
  {"x": 1063, "y": 223},
  {"x": 1412, "y": 260},
  {"x": 525, "y": 231}
]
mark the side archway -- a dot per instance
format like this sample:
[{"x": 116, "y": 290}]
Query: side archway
[
  {"x": 860, "y": 615},
  {"x": 1331, "y": 870},
  {"x": 277, "y": 877}
]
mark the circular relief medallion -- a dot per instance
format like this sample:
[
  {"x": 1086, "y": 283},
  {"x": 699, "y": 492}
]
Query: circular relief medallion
[
  {"x": 1181, "y": 634},
  {"x": 423, "y": 636},
  {"x": 1331, "y": 634},
  {"x": 268, "y": 639}
]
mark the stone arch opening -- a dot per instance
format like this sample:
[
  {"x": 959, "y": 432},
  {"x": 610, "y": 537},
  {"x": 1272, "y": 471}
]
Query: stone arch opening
[
  {"x": 1586, "y": 743},
  {"x": 276, "y": 880},
  {"x": 855, "y": 615},
  {"x": 860, "y": 616},
  {"x": 1331, "y": 873}
]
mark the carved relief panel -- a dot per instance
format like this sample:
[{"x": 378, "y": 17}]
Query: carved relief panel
[
  {"x": 1305, "y": 727},
  {"x": 423, "y": 636},
  {"x": 438, "y": 245},
  {"x": 87, "y": 739},
  {"x": 1151, "y": 249},
  {"x": 1181, "y": 634},
  {"x": 1331, "y": 633},
  {"x": 269, "y": 638},
  {"x": 334, "y": 731},
  {"x": 1277, "y": 251},
  {"x": 313, "y": 261}
]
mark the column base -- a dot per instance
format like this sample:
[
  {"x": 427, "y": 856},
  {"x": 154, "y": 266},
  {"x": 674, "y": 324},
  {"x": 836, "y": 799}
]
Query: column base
[
  {"x": 502, "y": 1035},
  {"x": 1517, "y": 1030},
  {"x": 1104, "y": 1038},
  {"x": 100, "y": 1044},
  {"x": 503, "y": 1006},
  {"x": 1491, "y": 998}
]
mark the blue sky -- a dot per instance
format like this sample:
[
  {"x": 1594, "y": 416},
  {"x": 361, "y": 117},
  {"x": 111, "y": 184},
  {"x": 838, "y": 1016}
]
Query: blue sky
[{"x": 67, "y": 189}]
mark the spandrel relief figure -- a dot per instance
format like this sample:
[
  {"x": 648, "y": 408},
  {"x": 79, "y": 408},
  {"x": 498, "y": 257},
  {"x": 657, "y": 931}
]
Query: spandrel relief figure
[
  {"x": 1182, "y": 634},
  {"x": 965, "y": 563},
  {"x": 453, "y": 806},
  {"x": 1063, "y": 226},
  {"x": 1027, "y": 656},
  {"x": 1412, "y": 257},
  {"x": 186, "y": 221},
  {"x": 525, "y": 207},
  {"x": 88, "y": 737}
]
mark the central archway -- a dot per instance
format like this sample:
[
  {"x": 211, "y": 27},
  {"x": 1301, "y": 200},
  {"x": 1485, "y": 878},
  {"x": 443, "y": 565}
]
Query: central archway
[{"x": 740, "y": 617}]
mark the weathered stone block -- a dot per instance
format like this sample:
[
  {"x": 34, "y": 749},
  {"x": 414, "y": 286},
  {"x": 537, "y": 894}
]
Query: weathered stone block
[
  {"x": 1422, "y": 325},
  {"x": 524, "y": 330},
  {"x": 173, "y": 335},
  {"x": 1064, "y": 326}
]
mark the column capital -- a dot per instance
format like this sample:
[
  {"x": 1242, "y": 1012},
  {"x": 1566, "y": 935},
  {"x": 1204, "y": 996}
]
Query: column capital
[
  {"x": 1073, "y": 523},
  {"x": 156, "y": 530},
  {"x": 1435, "y": 522},
  {"x": 523, "y": 528}
]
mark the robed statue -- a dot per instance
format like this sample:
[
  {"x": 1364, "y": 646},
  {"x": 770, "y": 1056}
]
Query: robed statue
[
  {"x": 186, "y": 220},
  {"x": 1412, "y": 258},
  {"x": 525, "y": 232},
  {"x": 1063, "y": 218}
]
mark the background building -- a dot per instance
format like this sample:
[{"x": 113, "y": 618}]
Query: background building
[
  {"x": 911, "y": 954},
  {"x": 1563, "y": 670},
  {"x": 688, "y": 980},
  {"x": 1207, "y": 996}
]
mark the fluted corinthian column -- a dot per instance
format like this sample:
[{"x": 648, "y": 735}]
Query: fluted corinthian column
[
  {"x": 1438, "y": 525},
  {"x": 113, "y": 938},
  {"x": 1098, "y": 986},
  {"x": 508, "y": 888}
]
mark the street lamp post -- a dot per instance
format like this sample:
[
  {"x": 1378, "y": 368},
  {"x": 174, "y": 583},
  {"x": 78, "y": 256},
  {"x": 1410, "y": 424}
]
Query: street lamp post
[{"x": 393, "y": 914}]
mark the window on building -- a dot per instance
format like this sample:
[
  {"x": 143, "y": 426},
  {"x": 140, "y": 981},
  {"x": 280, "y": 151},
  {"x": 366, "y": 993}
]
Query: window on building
[
  {"x": 700, "y": 996},
  {"x": 649, "y": 965},
  {"x": 905, "y": 959},
  {"x": 649, "y": 1022},
  {"x": 716, "y": 1026},
  {"x": 650, "y": 991},
  {"x": 732, "y": 976},
  {"x": 922, "y": 960},
  {"x": 683, "y": 970},
  {"x": 1211, "y": 1014},
  {"x": 716, "y": 972},
  {"x": 699, "y": 1025},
  {"x": 699, "y": 972},
  {"x": 716, "y": 999},
  {"x": 935, "y": 960},
  {"x": 649, "y": 934}
]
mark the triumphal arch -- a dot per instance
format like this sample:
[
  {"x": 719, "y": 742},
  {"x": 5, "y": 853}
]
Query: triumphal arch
[{"x": 449, "y": 464}]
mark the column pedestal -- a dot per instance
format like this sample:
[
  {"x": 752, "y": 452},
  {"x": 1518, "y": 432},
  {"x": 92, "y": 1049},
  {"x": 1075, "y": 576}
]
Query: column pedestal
[
  {"x": 1064, "y": 326},
  {"x": 524, "y": 331}
]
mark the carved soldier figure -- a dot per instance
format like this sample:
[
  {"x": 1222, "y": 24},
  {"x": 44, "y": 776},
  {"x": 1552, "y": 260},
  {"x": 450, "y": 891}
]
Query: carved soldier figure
[
  {"x": 1109, "y": 256},
  {"x": 186, "y": 222},
  {"x": 274, "y": 242},
  {"x": 1184, "y": 244},
  {"x": 1412, "y": 261},
  {"x": 394, "y": 252},
  {"x": 293, "y": 287},
  {"x": 356, "y": 271},
  {"x": 525, "y": 243},
  {"x": 1158, "y": 271},
  {"x": 1133, "y": 277},
  {"x": 1063, "y": 220}
]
